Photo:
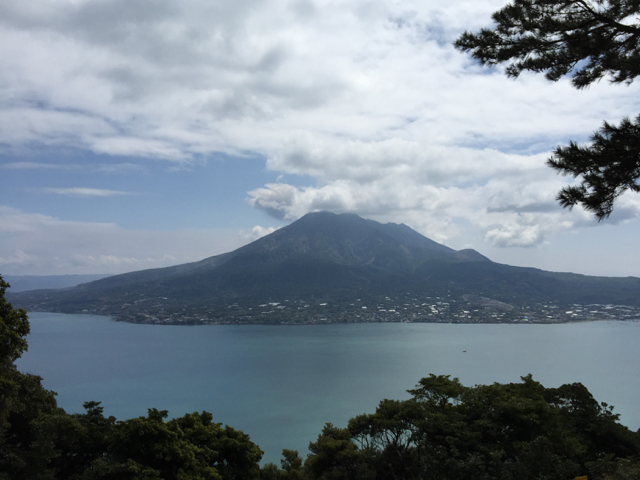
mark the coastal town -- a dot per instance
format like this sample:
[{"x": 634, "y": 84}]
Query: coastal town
[{"x": 407, "y": 309}]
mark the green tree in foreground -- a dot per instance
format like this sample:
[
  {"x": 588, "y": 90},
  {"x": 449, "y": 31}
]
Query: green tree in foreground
[
  {"x": 292, "y": 468},
  {"x": 23, "y": 401},
  {"x": 587, "y": 39},
  {"x": 446, "y": 431},
  {"x": 14, "y": 327},
  {"x": 493, "y": 432},
  {"x": 40, "y": 441}
]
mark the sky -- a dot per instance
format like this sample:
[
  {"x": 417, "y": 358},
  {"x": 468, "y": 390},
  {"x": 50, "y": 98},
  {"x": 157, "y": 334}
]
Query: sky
[{"x": 139, "y": 134}]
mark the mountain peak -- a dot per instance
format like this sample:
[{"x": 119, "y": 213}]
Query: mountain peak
[
  {"x": 346, "y": 224},
  {"x": 335, "y": 257},
  {"x": 349, "y": 239}
]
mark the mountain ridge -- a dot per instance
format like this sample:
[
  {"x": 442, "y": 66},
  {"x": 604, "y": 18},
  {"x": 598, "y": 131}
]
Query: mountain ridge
[{"x": 337, "y": 258}]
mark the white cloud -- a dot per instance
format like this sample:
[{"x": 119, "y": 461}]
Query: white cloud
[
  {"x": 36, "y": 166},
  {"x": 103, "y": 168},
  {"x": 172, "y": 80},
  {"x": 18, "y": 257},
  {"x": 368, "y": 99},
  {"x": 259, "y": 232},
  {"x": 35, "y": 244},
  {"x": 83, "y": 192}
]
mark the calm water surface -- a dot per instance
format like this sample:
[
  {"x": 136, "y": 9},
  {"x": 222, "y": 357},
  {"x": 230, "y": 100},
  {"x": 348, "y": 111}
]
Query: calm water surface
[{"x": 281, "y": 384}]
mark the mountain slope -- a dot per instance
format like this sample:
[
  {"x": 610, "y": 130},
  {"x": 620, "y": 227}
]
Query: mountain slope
[
  {"x": 334, "y": 257},
  {"x": 22, "y": 283}
]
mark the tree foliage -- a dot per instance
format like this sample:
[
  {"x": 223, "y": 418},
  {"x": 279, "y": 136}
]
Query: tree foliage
[
  {"x": 444, "y": 431},
  {"x": 14, "y": 327},
  {"x": 588, "y": 40},
  {"x": 608, "y": 167},
  {"x": 55, "y": 445},
  {"x": 500, "y": 431},
  {"x": 40, "y": 441}
]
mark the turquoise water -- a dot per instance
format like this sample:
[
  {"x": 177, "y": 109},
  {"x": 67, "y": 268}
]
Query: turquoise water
[{"x": 281, "y": 384}]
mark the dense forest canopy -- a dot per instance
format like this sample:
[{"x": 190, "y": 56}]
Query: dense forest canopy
[{"x": 444, "y": 431}]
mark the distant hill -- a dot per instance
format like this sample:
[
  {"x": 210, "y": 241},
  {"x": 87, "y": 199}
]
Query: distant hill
[
  {"x": 338, "y": 258},
  {"x": 21, "y": 283}
]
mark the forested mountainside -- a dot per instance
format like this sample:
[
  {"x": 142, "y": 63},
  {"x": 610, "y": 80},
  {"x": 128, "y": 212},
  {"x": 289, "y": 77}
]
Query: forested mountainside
[{"x": 352, "y": 265}]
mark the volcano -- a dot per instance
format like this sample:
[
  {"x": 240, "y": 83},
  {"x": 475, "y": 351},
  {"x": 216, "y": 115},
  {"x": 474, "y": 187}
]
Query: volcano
[{"x": 332, "y": 258}]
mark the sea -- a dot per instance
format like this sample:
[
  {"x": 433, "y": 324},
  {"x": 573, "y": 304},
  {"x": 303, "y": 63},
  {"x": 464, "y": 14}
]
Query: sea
[{"x": 281, "y": 384}]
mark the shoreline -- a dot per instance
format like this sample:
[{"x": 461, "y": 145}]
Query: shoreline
[{"x": 189, "y": 322}]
